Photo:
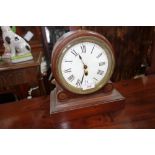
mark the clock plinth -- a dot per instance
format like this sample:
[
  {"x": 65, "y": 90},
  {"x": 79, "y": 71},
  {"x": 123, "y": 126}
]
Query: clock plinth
[
  {"x": 73, "y": 106},
  {"x": 63, "y": 95}
]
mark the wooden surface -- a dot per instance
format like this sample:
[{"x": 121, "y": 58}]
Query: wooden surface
[
  {"x": 139, "y": 111},
  {"x": 151, "y": 67},
  {"x": 87, "y": 105},
  {"x": 5, "y": 66},
  {"x": 27, "y": 72}
]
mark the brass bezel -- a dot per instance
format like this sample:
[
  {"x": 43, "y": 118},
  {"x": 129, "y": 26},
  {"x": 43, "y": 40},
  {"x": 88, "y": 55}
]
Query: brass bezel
[{"x": 111, "y": 64}]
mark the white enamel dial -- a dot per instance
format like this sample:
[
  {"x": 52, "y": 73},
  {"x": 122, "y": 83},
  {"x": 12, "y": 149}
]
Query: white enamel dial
[{"x": 84, "y": 65}]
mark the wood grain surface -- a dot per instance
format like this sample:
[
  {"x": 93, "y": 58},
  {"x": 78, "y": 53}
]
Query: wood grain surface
[{"x": 139, "y": 110}]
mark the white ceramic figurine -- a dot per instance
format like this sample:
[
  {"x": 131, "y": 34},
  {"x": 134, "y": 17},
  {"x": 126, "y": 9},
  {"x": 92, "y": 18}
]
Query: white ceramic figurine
[{"x": 16, "y": 48}]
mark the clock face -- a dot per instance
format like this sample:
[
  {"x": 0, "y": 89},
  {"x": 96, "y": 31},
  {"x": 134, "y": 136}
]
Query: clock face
[{"x": 85, "y": 65}]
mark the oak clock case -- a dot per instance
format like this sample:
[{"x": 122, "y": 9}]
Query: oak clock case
[{"x": 82, "y": 62}]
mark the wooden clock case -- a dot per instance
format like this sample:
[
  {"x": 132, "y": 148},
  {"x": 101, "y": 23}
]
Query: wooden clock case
[{"x": 64, "y": 102}]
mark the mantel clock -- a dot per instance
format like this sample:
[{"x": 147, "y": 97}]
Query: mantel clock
[{"x": 82, "y": 65}]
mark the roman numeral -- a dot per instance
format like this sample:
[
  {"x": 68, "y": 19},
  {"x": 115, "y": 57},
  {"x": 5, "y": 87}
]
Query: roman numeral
[
  {"x": 74, "y": 52},
  {"x": 100, "y": 72},
  {"x": 71, "y": 78},
  {"x": 92, "y": 49},
  {"x": 95, "y": 79},
  {"x": 68, "y": 61},
  {"x": 67, "y": 70},
  {"x": 83, "y": 48},
  {"x": 101, "y": 63},
  {"x": 78, "y": 83},
  {"x": 99, "y": 55}
]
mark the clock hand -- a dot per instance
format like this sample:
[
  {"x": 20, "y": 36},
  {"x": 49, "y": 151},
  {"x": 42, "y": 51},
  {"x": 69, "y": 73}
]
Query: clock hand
[
  {"x": 82, "y": 78},
  {"x": 84, "y": 74},
  {"x": 85, "y": 66}
]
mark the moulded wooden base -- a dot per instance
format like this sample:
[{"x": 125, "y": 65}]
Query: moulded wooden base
[{"x": 85, "y": 105}]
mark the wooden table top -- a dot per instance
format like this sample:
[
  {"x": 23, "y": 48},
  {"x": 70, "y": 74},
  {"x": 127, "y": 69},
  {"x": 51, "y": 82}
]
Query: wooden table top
[
  {"x": 139, "y": 111},
  {"x": 5, "y": 66}
]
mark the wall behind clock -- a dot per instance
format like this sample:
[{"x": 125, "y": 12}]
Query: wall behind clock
[{"x": 133, "y": 48}]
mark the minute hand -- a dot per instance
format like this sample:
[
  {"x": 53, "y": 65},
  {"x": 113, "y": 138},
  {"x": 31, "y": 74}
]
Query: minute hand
[
  {"x": 82, "y": 78},
  {"x": 85, "y": 66}
]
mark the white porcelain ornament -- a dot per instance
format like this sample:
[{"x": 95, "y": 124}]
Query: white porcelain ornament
[{"x": 16, "y": 48}]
